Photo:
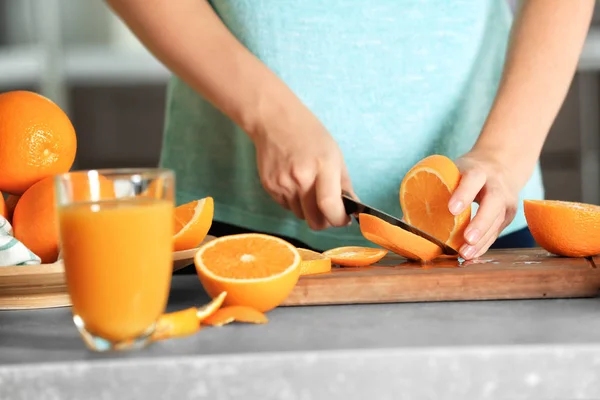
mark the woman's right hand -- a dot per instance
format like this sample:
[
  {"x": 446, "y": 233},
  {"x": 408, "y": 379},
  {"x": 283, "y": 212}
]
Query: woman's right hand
[{"x": 302, "y": 167}]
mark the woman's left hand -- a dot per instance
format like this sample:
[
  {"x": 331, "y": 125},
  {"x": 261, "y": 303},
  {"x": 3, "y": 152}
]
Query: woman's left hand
[{"x": 492, "y": 185}]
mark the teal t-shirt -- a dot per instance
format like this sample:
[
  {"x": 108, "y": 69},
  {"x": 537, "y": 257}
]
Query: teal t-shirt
[{"x": 392, "y": 80}]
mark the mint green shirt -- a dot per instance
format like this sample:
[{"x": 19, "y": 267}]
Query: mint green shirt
[{"x": 392, "y": 80}]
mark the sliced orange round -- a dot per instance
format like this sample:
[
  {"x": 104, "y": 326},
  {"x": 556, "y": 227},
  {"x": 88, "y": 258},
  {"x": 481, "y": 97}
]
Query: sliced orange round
[
  {"x": 424, "y": 196},
  {"x": 256, "y": 270},
  {"x": 192, "y": 223},
  {"x": 230, "y": 314},
  {"x": 397, "y": 240},
  {"x": 355, "y": 256},
  {"x": 313, "y": 262},
  {"x": 564, "y": 228}
]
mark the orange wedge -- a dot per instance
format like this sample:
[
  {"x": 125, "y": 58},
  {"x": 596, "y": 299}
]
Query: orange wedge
[
  {"x": 355, "y": 256},
  {"x": 185, "y": 322},
  {"x": 424, "y": 195},
  {"x": 230, "y": 314},
  {"x": 564, "y": 228},
  {"x": 192, "y": 222},
  {"x": 313, "y": 262},
  {"x": 256, "y": 270},
  {"x": 397, "y": 240}
]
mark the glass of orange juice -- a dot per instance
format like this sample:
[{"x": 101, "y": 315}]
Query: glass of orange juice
[{"x": 116, "y": 234}]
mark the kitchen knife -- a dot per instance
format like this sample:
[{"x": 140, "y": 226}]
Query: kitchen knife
[{"x": 354, "y": 207}]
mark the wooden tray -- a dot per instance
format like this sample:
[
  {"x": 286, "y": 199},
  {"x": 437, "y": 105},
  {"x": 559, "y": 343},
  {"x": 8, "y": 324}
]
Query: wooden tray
[
  {"x": 499, "y": 274},
  {"x": 44, "y": 286}
]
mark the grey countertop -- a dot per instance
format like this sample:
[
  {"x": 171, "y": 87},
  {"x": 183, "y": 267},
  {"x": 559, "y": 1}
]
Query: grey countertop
[{"x": 546, "y": 349}]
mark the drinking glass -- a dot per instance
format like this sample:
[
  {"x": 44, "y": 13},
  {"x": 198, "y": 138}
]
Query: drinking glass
[{"x": 116, "y": 236}]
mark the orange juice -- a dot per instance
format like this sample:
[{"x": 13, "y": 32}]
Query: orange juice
[{"x": 118, "y": 263}]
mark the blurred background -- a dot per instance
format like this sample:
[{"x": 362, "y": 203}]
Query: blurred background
[{"x": 80, "y": 55}]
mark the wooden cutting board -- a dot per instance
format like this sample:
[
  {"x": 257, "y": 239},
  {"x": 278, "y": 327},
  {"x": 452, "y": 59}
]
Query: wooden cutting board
[
  {"x": 499, "y": 274},
  {"x": 45, "y": 286}
]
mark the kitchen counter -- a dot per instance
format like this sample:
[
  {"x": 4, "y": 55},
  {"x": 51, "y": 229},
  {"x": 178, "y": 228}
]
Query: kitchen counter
[{"x": 535, "y": 349}]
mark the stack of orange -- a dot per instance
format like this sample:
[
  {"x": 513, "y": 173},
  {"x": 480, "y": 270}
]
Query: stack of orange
[{"x": 37, "y": 141}]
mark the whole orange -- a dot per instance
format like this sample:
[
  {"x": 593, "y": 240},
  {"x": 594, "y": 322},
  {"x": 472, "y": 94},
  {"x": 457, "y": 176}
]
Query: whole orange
[
  {"x": 34, "y": 221},
  {"x": 37, "y": 140}
]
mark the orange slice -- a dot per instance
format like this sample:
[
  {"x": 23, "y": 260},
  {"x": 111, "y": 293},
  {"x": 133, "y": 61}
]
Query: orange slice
[
  {"x": 256, "y": 270},
  {"x": 185, "y": 322},
  {"x": 313, "y": 262},
  {"x": 424, "y": 195},
  {"x": 192, "y": 222},
  {"x": 397, "y": 240},
  {"x": 230, "y": 314},
  {"x": 564, "y": 228},
  {"x": 355, "y": 256}
]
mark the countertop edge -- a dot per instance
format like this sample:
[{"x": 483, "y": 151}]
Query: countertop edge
[{"x": 483, "y": 372}]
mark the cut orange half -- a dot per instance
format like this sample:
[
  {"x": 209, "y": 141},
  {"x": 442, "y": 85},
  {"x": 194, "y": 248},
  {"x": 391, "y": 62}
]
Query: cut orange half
[
  {"x": 564, "y": 228},
  {"x": 192, "y": 223},
  {"x": 256, "y": 270},
  {"x": 424, "y": 195},
  {"x": 313, "y": 262},
  {"x": 355, "y": 256},
  {"x": 397, "y": 240}
]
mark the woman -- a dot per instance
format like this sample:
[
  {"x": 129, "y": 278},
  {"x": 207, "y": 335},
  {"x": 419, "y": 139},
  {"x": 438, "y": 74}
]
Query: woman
[{"x": 284, "y": 102}]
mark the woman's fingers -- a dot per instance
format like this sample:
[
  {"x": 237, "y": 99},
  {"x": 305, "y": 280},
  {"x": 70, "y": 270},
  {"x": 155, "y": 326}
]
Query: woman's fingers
[
  {"x": 486, "y": 246},
  {"x": 328, "y": 195},
  {"x": 468, "y": 251},
  {"x": 312, "y": 192},
  {"x": 295, "y": 206},
  {"x": 314, "y": 218},
  {"x": 490, "y": 207},
  {"x": 469, "y": 187}
]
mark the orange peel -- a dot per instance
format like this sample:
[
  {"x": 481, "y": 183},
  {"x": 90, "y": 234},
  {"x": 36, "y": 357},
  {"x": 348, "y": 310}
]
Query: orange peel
[{"x": 231, "y": 314}]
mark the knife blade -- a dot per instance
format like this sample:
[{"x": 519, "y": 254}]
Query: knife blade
[{"x": 354, "y": 207}]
